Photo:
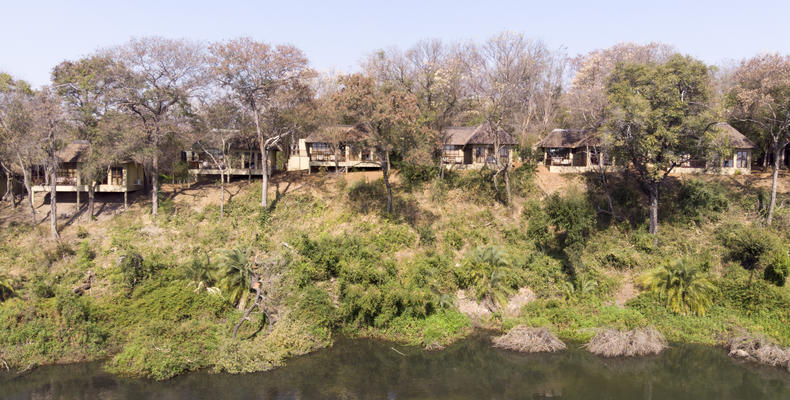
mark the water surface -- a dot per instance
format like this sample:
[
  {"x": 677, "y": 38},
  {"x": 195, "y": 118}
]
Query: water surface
[{"x": 470, "y": 369}]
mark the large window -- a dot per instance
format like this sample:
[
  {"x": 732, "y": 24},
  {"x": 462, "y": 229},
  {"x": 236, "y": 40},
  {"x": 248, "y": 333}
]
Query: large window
[
  {"x": 727, "y": 163},
  {"x": 452, "y": 154},
  {"x": 743, "y": 159},
  {"x": 116, "y": 176}
]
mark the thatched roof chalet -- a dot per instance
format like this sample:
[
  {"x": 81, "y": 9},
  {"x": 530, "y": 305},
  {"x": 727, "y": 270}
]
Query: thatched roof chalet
[
  {"x": 576, "y": 138},
  {"x": 346, "y": 134},
  {"x": 482, "y": 134}
]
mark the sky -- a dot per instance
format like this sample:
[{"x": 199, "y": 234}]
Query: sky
[{"x": 36, "y": 35}]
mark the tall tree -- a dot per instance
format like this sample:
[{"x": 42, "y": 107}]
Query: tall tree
[
  {"x": 761, "y": 97},
  {"x": 50, "y": 129},
  {"x": 221, "y": 127},
  {"x": 659, "y": 119},
  {"x": 388, "y": 115},
  {"x": 507, "y": 75},
  {"x": 158, "y": 79},
  {"x": 262, "y": 78},
  {"x": 86, "y": 86},
  {"x": 19, "y": 150},
  {"x": 434, "y": 73},
  {"x": 587, "y": 96}
]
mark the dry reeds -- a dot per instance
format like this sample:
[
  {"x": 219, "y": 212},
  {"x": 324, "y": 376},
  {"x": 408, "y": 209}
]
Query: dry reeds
[
  {"x": 529, "y": 340},
  {"x": 759, "y": 350},
  {"x": 637, "y": 342}
]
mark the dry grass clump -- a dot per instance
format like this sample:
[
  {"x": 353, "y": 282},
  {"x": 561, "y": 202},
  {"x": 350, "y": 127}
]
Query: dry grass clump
[
  {"x": 637, "y": 342},
  {"x": 529, "y": 340},
  {"x": 759, "y": 350}
]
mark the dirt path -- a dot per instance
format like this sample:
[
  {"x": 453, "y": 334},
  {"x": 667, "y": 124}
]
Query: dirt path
[{"x": 627, "y": 292}]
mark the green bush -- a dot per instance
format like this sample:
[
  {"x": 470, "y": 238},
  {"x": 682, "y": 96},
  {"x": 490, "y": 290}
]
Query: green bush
[
  {"x": 698, "y": 201},
  {"x": 489, "y": 272},
  {"x": 133, "y": 268},
  {"x": 572, "y": 215},
  {"x": 777, "y": 266},
  {"x": 6, "y": 288},
  {"x": 414, "y": 175},
  {"x": 746, "y": 244}
]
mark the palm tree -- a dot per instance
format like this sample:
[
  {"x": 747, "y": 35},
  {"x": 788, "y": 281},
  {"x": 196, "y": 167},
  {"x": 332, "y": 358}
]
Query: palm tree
[
  {"x": 494, "y": 284},
  {"x": 202, "y": 275},
  {"x": 236, "y": 277},
  {"x": 683, "y": 286},
  {"x": 6, "y": 288}
]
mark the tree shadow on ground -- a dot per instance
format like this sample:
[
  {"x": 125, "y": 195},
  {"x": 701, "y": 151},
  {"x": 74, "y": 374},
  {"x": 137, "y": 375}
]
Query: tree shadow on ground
[{"x": 371, "y": 197}]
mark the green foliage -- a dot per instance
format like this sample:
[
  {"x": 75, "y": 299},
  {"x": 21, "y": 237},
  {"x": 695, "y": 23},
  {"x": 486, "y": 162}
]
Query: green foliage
[
  {"x": 488, "y": 271},
  {"x": 236, "y": 271},
  {"x": 314, "y": 305},
  {"x": 43, "y": 289},
  {"x": 538, "y": 224},
  {"x": 6, "y": 288},
  {"x": 522, "y": 179},
  {"x": 756, "y": 248},
  {"x": 85, "y": 256},
  {"x": 133, "y": 268},
  {"x": 698, "y": 201},
  {"x": 415, "y": 175},
  {"x": 776, "y": 264},
  {"x": 201, "y": 273},
  {"x": 572, "y": 216},
  {"x": 683, "y": 286}
]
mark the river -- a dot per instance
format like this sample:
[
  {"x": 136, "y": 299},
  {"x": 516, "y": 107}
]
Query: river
[{"x": 470, "y": 369}]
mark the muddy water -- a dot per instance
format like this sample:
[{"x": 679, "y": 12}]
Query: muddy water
[{"x": 471, "y": 369}]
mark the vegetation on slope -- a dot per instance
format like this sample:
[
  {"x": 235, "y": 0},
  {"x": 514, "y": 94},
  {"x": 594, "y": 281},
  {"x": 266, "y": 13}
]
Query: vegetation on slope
[{"x": 165, "y": 295}]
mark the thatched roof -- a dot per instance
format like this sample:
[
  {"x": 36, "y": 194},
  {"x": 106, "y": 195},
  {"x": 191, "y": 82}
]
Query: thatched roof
[
  {"x": 736, "y": 139},
  {"x": 575, "y": 138},
  {"x": 73, "y": 151},
  {"x": 481, "y": 134},
  {"x": 328, "y": 134},
  {"x": 568, "y": 138}
]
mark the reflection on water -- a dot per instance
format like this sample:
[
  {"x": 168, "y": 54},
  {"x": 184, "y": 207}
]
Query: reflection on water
[{"x": 471, "y": 369}]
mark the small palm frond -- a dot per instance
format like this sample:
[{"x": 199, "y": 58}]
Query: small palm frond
[{"x": 682, "y": 286}]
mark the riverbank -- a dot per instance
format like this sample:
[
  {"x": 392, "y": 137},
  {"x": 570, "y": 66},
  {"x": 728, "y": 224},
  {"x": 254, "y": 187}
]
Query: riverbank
[{"x": 161, "y": 300}]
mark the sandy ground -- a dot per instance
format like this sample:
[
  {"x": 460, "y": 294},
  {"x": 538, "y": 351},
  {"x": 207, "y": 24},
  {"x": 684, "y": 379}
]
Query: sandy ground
[{"x": 550, "y": 182}]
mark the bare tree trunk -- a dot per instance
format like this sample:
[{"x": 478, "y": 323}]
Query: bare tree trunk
[
  {"x": 385, "y": 174},
  {"x": 53, "y": 205},
  {"x": 91, "y": 198},
  {"x": 78, "y": 201},
  {"x": 262, "y": 144},
  {"x": 9, "y": 187},
  {"x": 337, "y": 163},
  {"x": 654, "y": 210},
  {"x": 265, "y": 177},
  {"x": 155, "y": 186},
  {"x": 125, "y": 200},
  {"x": 222, "y": 194},
  {"x": 766, "y": 152},
  {"x": 506, "y": 176},
  {"x": 774, "y": 181},
  {"x": 30, "y": 196}
]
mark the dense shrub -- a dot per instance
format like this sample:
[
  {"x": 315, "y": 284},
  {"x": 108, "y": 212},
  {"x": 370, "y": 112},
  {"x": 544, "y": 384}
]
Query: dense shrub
[
  {"x": 488, "y": 271},
  {"x": 756, "y": 248},
  {"x": 698, "y": 201},
  {"x": 776, "y": 264},
  {"x": 414, "y": 175},
  {"x": 133, "y": 268},
  {"x": 572, "y": 216}
]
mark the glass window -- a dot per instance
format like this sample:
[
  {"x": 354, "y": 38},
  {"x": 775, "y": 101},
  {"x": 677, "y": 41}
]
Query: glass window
[{"x": 743, "y": 159}]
